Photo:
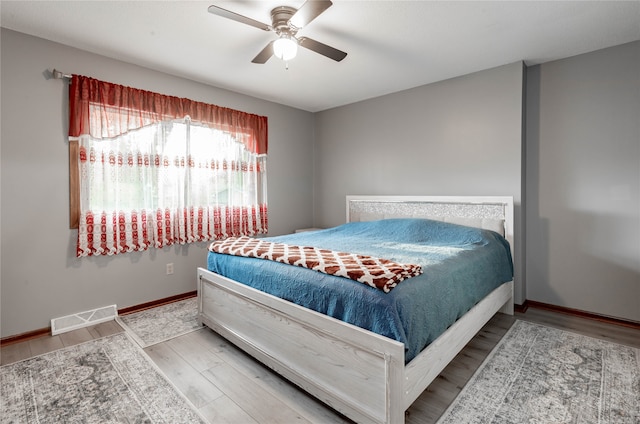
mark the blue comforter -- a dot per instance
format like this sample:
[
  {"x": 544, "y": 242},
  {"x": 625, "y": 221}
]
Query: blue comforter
[{"x": 461, "y": 265}]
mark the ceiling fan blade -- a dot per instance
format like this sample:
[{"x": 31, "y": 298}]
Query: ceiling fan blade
[
  {"x": 264, "y": 55},
  {"x": 237, "y": 17},
  {"x": 308, "y": 12},
  {"x": 321, "y": 48}
]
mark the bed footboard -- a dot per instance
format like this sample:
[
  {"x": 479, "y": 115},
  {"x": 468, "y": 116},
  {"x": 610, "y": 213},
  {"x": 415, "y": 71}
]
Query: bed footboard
[{"x": 358, "y": 373}]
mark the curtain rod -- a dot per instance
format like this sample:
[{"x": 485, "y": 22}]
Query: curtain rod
[{"x": 60, "y": 75}]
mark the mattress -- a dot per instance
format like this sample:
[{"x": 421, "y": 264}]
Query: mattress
[{"x": 460, "y": 264}]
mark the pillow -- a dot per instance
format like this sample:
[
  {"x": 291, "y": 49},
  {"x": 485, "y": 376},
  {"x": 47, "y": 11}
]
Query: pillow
[{"x": 492, "y": 224}]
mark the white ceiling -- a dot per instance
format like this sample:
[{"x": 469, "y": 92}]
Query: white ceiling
[{"x": 391, "y": 45}]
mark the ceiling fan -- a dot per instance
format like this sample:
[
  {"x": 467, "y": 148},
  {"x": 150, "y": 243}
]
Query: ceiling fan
[{"x": 286, "y": 21}]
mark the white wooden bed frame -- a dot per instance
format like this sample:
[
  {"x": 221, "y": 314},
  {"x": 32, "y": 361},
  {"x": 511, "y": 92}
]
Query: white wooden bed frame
[{"x": 358, "y": 373}]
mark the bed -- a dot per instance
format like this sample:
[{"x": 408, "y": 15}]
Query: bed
[{"x": 367, "y": 376}]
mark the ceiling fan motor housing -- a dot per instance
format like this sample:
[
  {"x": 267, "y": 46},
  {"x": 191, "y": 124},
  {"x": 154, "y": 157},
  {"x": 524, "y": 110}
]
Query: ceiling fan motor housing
[{"x": 280, "y": 17}]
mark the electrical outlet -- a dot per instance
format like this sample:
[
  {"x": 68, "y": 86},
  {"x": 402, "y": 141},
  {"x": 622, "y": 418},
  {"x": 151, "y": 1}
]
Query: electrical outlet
[{"x": 169, "y": 269}]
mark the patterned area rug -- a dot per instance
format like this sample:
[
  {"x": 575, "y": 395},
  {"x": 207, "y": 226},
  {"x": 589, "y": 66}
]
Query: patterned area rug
[
  {"x": 107, "y": 380},
  {"x": 538, "y": 374},
  {"x": 162, "y": 323}
]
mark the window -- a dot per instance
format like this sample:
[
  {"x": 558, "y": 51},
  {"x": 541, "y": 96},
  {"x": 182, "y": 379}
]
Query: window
[{"x": 153, "y": 170}]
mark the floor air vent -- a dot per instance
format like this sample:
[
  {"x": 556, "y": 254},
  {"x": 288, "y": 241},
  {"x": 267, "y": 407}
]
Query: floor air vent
[{"x": 83, "y": 319}]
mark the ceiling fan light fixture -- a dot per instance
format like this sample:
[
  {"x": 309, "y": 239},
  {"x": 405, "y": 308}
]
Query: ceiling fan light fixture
[{"x": 285, "y": 48}]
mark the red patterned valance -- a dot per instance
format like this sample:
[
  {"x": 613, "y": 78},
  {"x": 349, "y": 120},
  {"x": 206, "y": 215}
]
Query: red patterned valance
[{"x": 124, "y": 109}]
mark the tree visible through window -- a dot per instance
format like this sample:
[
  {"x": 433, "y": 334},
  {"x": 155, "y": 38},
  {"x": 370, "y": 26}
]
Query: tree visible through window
[{"x": 155, "y": 170}]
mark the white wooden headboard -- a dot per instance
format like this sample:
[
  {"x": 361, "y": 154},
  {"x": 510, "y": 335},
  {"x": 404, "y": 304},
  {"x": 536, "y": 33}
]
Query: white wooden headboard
[{"x": 489, "y": 212}]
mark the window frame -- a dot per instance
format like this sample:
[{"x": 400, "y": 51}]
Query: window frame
[{"x": 74, "y": 186}]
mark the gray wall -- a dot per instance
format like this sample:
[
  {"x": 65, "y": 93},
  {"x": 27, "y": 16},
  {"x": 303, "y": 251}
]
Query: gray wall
[
  {"x": 583, "y": 182},
  {"x": 461, "y": 136},
  {"x": 40, "y": 276}
]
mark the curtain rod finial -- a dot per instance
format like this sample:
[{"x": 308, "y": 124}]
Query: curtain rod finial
[{"x": 59, "y": 75}]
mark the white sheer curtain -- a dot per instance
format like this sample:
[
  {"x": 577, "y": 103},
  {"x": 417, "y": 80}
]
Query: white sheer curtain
[{"x": 165, "y": 181}]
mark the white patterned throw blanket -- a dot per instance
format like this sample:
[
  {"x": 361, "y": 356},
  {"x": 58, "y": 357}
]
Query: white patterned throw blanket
[{"x": 383, "y": 274}]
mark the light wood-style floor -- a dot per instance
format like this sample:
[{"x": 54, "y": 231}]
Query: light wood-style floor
[{"x": 228, "y": 386}]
